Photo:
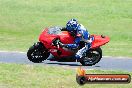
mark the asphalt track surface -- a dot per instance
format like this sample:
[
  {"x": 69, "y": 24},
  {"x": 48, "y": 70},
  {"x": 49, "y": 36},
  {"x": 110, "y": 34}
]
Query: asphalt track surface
[{"x": 106, "y": 63}]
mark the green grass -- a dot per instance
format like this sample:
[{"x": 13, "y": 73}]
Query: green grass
[
  {"x": 38, "y": 76},
  {"x": 21, "y": 22}
]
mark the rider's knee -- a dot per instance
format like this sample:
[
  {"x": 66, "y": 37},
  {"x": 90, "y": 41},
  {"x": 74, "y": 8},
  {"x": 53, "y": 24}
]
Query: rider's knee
[{"x": 77, "y": 57}]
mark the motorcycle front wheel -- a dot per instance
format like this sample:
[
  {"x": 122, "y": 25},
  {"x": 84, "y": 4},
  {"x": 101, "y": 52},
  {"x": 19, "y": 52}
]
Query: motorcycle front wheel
[
  {"x": 92, "y": 57},
  {"x": 37, "y": 53}
]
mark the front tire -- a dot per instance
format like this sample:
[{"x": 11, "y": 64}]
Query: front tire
[
  {"x": 37, "y": 53},
  {"x": 92, "y": 57}
]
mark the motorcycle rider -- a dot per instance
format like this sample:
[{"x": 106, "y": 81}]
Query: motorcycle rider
[{"x": 81, "y": 34}]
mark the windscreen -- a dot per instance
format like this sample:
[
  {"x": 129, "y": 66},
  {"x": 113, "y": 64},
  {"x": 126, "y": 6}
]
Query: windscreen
[{"x": 54, "y": 30}]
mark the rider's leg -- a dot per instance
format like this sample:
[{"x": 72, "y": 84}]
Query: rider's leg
[{"x": 82, "y": 51}]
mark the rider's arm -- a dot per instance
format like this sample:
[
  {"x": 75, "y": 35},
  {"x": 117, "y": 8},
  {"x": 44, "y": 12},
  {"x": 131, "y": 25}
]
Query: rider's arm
[
  {"x": 77, "y": 40},
  {"x": 75, "y": 45}
]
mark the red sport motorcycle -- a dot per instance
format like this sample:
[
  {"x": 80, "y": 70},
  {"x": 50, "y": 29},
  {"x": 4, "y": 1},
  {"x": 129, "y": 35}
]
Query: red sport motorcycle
[{"x": 49, "y": 43}]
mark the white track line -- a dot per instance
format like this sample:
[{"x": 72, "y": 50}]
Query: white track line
[
  {"x": 12, "y": 51},
  {"x": 119, "y": 57}
]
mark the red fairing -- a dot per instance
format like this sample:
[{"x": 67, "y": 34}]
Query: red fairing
[
  {"x": 47, "y": 38},
  {"x": 65, "y": 38},
  {"x": 99, "y": 40}
]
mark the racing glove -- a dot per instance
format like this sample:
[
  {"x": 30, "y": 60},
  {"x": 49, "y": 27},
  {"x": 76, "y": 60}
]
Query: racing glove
[{"x": 63, "y": 45}]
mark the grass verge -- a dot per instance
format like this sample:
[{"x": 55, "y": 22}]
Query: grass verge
[{"x": 39, "y": 76}]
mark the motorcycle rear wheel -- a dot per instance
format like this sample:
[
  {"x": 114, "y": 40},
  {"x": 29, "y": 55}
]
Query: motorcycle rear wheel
[
  {"x": 37, "y": 53},
  {"x": 92, "y": 57}
]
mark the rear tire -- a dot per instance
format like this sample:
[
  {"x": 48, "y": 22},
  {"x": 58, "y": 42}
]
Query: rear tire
[
  {"x": 37, "y": 53},
  {"x": 92, "y": 57}
]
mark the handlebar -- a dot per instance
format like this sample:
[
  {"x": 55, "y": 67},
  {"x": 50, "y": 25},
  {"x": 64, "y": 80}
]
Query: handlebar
[{"x": 56, "y": 42}]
